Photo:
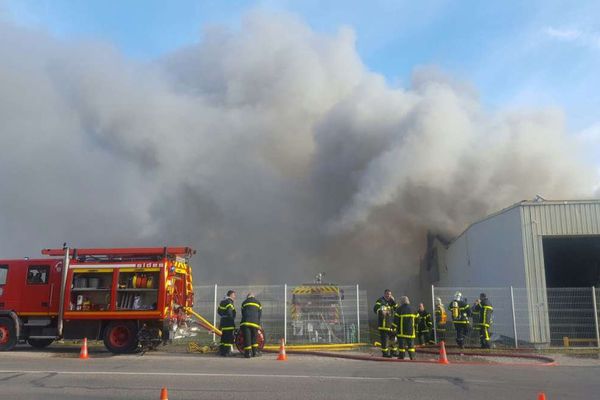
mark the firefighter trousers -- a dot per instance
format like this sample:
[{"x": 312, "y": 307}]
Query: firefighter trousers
[
  {"x": 250, "y": 343},
  {"x": 388, "y": 342},
  {"x": 227, "y": 340},
  {"x": 424, "y": 337},
  {"x": 404, "y": 345},
  {"x": 440, "y": 334},
  {"x": 484, "y": 337},
  {"x": 462, "y": 331}
]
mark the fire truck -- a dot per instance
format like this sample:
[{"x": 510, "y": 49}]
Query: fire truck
[
  {"x": 317, "y": 313},
  {"x": 126, "y": 297}
]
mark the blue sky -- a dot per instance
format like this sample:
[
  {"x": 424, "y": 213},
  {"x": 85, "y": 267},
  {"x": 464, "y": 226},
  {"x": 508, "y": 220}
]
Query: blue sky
[{"x": 517, "y": 54}]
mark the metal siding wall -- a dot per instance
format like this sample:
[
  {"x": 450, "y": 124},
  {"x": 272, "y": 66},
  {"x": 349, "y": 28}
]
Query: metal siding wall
[
  {"x": 489, "y": 253},
  {"x": 550, "y": 219}
]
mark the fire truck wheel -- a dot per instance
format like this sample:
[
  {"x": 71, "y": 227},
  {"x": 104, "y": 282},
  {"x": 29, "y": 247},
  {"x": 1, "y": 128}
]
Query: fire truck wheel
[
  {"x": 8, "y": 338},
  {"x": 40, "y": 343},
  {"x": 121, "y": 337}
]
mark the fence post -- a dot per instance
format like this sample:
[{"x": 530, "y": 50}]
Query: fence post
[
  {"x": 596, "y": 316},
  {"x": 357, "y": 315},
  {"x": 433, "y": 314},
  {"x": 215, "y": 314},
  {"x": 285, "y": 307},
  {"x": 514, "y": 319}
]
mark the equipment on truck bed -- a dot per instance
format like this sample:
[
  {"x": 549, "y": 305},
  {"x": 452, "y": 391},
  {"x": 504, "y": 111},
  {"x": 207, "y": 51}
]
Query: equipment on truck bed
[{"x": 317, "y": 313}]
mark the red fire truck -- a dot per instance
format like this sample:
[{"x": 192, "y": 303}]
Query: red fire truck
[{"x": 126, "y": 297}]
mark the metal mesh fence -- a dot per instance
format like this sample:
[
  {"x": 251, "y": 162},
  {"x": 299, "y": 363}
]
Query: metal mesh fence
[
  {"x": 503, "y": 329},
  {"x": 313, "y": 313},
  {"x": 566, "y": 318},
  {"x": 326, "y": 314},
  {"x": 571, "y": 317}
]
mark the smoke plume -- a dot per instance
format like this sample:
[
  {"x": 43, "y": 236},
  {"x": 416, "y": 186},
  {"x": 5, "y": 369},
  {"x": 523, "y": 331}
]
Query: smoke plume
[{"x": 272, "y": 150}]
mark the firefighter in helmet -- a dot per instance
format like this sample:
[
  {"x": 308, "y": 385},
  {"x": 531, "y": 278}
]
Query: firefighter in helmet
[
  {"x": 461, "y": 312},
  {"x": 226, "y": 311},
  {"x": 424, "y": 325},
  {"x": 385, "y": 307},
  {"x": 404, "y": 321},
  {"x": 251, "y": 314},
  {"x": 485, "y": 321},
  {"x": 441, "y": 318}
]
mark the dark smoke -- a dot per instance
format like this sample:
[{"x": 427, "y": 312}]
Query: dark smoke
[{"x": 272, "y": 150}]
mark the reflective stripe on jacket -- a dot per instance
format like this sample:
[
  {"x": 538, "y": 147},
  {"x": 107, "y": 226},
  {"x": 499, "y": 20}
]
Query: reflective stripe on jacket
[
  {"x": 486, "y": 314},
  {"x": 227, "y": 313},
  {"x": 251, "y": 313},
  {"x": 460, "y": 311},
  {"x": 424, "y": 323},
  {"x": 385, "y": 313},
  {"x": 404, "y": 319}
]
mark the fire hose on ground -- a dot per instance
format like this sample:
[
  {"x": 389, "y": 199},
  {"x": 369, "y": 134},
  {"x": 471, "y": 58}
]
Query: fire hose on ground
[
  {"x": 317, "y": 350},
  {"x": 543, "y": 361}
]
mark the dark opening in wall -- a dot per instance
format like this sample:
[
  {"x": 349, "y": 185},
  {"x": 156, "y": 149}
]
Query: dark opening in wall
[
  {"x": 572, "y": 268},
  {"x": 572, "y": 261}
]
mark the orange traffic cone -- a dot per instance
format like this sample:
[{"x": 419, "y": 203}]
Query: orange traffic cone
[
  {"x": 164, "y": 395},
  {"x": 83, "y": 354},
  {"x": 443, "y": 357},
  {"x": 541, "y": 396},
  {"x": 282, "y": 356}
]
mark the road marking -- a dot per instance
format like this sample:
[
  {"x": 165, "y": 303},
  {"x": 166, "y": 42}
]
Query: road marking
[{"x": 200, "y": 374}]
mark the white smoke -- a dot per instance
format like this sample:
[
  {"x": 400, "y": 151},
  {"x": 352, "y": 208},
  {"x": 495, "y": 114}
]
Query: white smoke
[{"x": 272, "y": 149}]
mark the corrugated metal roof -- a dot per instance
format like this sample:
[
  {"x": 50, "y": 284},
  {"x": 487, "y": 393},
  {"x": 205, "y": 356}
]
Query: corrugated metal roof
[{"x": 588, "y": 210}]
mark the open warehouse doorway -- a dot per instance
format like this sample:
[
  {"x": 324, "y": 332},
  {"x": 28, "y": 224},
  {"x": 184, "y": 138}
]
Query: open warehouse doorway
[
  {"x": 572, "y": 266},
  {"x": 572, "y": 261}
]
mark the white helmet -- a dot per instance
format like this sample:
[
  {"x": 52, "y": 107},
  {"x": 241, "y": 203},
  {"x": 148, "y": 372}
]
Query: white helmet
[{"x": 457, "y": 296}]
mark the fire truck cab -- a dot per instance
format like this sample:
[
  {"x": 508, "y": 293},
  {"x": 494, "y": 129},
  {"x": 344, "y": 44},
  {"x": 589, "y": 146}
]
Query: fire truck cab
[{"x": 124, "y": 296}]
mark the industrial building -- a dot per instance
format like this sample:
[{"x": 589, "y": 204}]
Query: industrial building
[{"x": 533, "y": 245}]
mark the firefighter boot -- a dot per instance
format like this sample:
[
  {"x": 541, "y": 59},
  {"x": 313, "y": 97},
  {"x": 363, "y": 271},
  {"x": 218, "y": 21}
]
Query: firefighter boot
[
  {"x": 256, "y": 352},
  {"x": 411, "y": 354},
  {"x": 401, "y": 353},
  {"x": 247, "y": 353}
]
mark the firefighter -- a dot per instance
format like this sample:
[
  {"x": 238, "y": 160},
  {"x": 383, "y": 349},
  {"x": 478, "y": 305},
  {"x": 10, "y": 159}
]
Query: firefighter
[
  {"x": 424, "y": 325},
  {"x": 485, "y": 321},
  {"x": 404, "y": 320},
  {"x": 251, "y": 314},
  {"x": 227, "y": 324},
  {"x": 385, "y": 307},
  {"x": 461, "y": 312},
  {"x": 441, "y": 319},
  {"x": 476, "y": 317}
]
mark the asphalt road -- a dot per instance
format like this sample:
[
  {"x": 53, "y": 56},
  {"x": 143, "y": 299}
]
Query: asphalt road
[{"x": 59, "y": 374}]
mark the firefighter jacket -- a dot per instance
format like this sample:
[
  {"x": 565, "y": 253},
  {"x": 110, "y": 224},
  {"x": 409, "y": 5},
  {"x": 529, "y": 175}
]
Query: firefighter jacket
[
  {"x": 424, "y": 322},
  {"x": 476, "y": 313},
  {"x": 486, "y": 313},
  {"x": 404, "y": 322},
  {"x": 460, "y": 312},
  {"x": 227, "y": 313},
  {"x": 440, "y": 317},
  {"x": 385, "y": 310},
  {"x": 251, "y": 313}
]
